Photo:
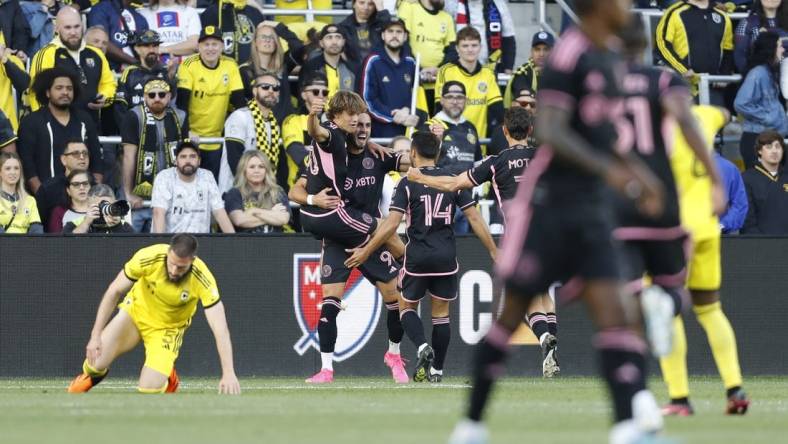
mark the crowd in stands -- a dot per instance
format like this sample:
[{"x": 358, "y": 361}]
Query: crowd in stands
[{"x": 164, "y": 76}]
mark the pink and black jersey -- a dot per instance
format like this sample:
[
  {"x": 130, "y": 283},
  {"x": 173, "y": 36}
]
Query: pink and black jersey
[
  {"x": 327, "y": 166},
  {"x": 504, "y": 171},
  {"x": 363, "y": 186},
  {"x": 583, "y": 80},
  {"x": 644, "y": 89},
  {"x": 431, "y": 250}
]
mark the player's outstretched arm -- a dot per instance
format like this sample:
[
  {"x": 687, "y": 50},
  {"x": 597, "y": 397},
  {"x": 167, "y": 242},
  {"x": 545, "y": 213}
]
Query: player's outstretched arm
[
  {"x": 480, "y": 229},
  {"x": 316, "y": 132},
  {"x": 218, "y": 322},
  {"x": 382, "y": 234},
  {"x": 447, "y": 184},
  {"x": 120, "y": 286},
  {"x": 679, "y": 106}
]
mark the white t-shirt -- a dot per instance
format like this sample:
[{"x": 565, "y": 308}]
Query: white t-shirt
[
  {"x": 174, "y": 23},
  {"x": 239, "y": 126},
  {"x": 188, "y": 205}
]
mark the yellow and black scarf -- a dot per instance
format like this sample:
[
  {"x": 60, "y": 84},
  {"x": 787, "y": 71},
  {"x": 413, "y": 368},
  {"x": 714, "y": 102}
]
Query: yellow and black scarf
[
  {"x": 270, "y": 146},
  {"x": 148, "y": 150},
  {"x": 228, "y": 23}
]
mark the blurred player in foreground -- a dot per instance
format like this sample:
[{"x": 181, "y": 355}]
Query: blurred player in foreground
[
  {"x": 505, "y": 172},
  {"x": 162, "y": 284},
  {"x": 430, "y": 263},
  {"x": 561, "y": 221},
  {"x": 705, "y": 276}
]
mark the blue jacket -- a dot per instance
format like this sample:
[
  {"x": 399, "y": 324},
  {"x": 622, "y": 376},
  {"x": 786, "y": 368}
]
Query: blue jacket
[
  {"x": 734, "y": 216},
  {"x": 387, "y": 86},
  {"x": 759, "y": 103}
]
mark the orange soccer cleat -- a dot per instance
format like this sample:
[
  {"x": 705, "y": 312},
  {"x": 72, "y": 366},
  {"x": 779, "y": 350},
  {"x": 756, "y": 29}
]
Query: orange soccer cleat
[
  {"x": 83, "y": 383},
  {"x": 173, "y": 382}
]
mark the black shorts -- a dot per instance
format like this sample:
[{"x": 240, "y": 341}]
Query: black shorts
[
  {"x": 348, "y": 227},
  {"x": 414, "y": 288},
  {"x": 659, "y": 252},
  {"x": 545, "y": 244},
  {"x": 380, "y": 267}
]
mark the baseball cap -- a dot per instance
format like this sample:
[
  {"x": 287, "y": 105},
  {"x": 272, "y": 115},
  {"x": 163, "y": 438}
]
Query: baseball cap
[
  {"x": 394, "y": 22},
  {"x": 147, "y": 37},
  {"x": 543, "y": 38},
  {"x": 331, "y": 29},
  {"x": 187, "y": 143},
  {"x": 209, "y": 32},
  {"x": 451, "y": 83}
]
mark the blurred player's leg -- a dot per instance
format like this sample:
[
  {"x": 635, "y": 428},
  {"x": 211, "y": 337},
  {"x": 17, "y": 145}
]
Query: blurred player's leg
[
  {"x": 117, "y": 338},
  {"x": 393, "y": 358},
  {"x": 674, "y": 371},
  {"x": 441, "y": 336}
]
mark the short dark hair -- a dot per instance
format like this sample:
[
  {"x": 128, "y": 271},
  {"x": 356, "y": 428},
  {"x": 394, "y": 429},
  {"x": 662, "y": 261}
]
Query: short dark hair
[
  {"x": 184, "y": 245},
  {"x": 46, "y": 78},
  {"x": 518, "y": 122},
  {"x": 468, "y": 33},
  {"x": 426, "y": 144},
  {"x": 75, "y": 173},
  {"x": 72, "y": 141},
  {"x": 767, "y": 138}
]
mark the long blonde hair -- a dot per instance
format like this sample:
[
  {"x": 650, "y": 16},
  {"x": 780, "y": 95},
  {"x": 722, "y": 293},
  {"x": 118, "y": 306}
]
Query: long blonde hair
[
  {"x": 272, "y": 192},
  {"x": 277, "y": 58},
  {"x": 20, "y": 184}
]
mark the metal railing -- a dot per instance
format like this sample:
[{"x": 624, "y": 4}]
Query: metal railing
[{"x": 704, "y": 85}]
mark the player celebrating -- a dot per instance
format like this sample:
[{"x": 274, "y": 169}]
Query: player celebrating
[
  {"x": 365, "y": 174},
  {"x": 162, "y": 284},
  {"x": 656, "y": 246},
  {"x": 505, "y": 171},
  {"x": 430, "y": 263},
  {"x": 560, "y": 224},
  {"x": 705, "y": 275}
]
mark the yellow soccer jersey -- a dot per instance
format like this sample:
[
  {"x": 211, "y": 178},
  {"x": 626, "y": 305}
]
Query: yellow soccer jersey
[
  {"x": 302, "y": 4},
  {"x": 692, "y": 180},
  {"x": 18, "y": 217},
  {"x": 481, "y": 90},
  {"x": 210, "y": 95},
  {"x": 429, "y": 33},
  {"x": 294, "y": 130},
  {"x": 7, "y": 99},
  {"x": 159, "y": 303}
]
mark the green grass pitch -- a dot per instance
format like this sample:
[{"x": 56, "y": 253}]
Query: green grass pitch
[{"x": 355, "y": 410}]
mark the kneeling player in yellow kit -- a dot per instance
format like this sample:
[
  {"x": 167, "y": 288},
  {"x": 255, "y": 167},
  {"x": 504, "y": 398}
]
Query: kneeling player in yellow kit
[
  {"x": 162, "y": 284},
  {"x": 705, "y": 276}
]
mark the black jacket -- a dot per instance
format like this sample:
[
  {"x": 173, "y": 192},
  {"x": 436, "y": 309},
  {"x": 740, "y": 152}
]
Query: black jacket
[
  {"x": 767, "y": 196},
  {"x": 349, "y": 27},
  {"x": 14, "y": 26}
]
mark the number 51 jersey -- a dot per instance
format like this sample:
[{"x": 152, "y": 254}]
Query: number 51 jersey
[{"x": 430, "y": 250}]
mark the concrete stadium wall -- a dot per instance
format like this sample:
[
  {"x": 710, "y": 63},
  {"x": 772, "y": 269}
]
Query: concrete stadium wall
[{"x": 50, "y": 288}]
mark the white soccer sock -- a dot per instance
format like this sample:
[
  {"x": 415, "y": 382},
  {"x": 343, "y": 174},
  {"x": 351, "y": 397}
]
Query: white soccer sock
[
  {"x": 394, "y": 348},
  {"x": 435, "y": 372},
  {"x": 328, "y": 360},
  {"x": 421, "y": 347},
  {"x": 543, "y": 337}
]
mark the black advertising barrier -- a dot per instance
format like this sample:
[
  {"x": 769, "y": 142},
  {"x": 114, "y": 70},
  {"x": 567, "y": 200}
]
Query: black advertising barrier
[{"x": 50, "y": 288}]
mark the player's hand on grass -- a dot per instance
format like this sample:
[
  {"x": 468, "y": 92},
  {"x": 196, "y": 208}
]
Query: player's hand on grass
[
  {"x": 719, "y": 199},
  {"x": 93, "y": 350},
  {"x": 359, "y": 256},
  {"x": 324, "y": 200},
  {"x": 229, "y": 385}
]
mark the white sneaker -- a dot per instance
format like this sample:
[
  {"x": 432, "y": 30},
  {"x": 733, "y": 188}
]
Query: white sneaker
[
  {"x": 658, "y": 308},
  {"x": 469, "y": 432},
  {"x": 646, "y": 412}
]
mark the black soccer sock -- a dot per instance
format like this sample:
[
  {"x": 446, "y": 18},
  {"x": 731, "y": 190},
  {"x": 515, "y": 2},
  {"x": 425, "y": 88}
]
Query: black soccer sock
[
  {"x": 552, "y": 323},
  {"x": 393, "y": 323},
  {"x": 538, "y": 323},
  {"x": 623, "y": 365},
  {"x": 441, "y": 335},
  {"x": 411, "y": 323},
  {"x": 487, "y": 367},
  {"x": 327, "y": 327}
]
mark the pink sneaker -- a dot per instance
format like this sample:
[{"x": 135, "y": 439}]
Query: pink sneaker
[
  {"x": 324, "y": 376},
  {"x": 397, "y": 367}
]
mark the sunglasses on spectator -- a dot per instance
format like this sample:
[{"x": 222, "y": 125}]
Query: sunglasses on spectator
[
  {"x": 161, "y": 94},
  {"x": 84, "y": 184},
  {"x": 268, "y": 87},
  {"x": 319, "y": 92},
  {"x": 526, "y": 103},
  {"x": 77, "y": 154}
]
